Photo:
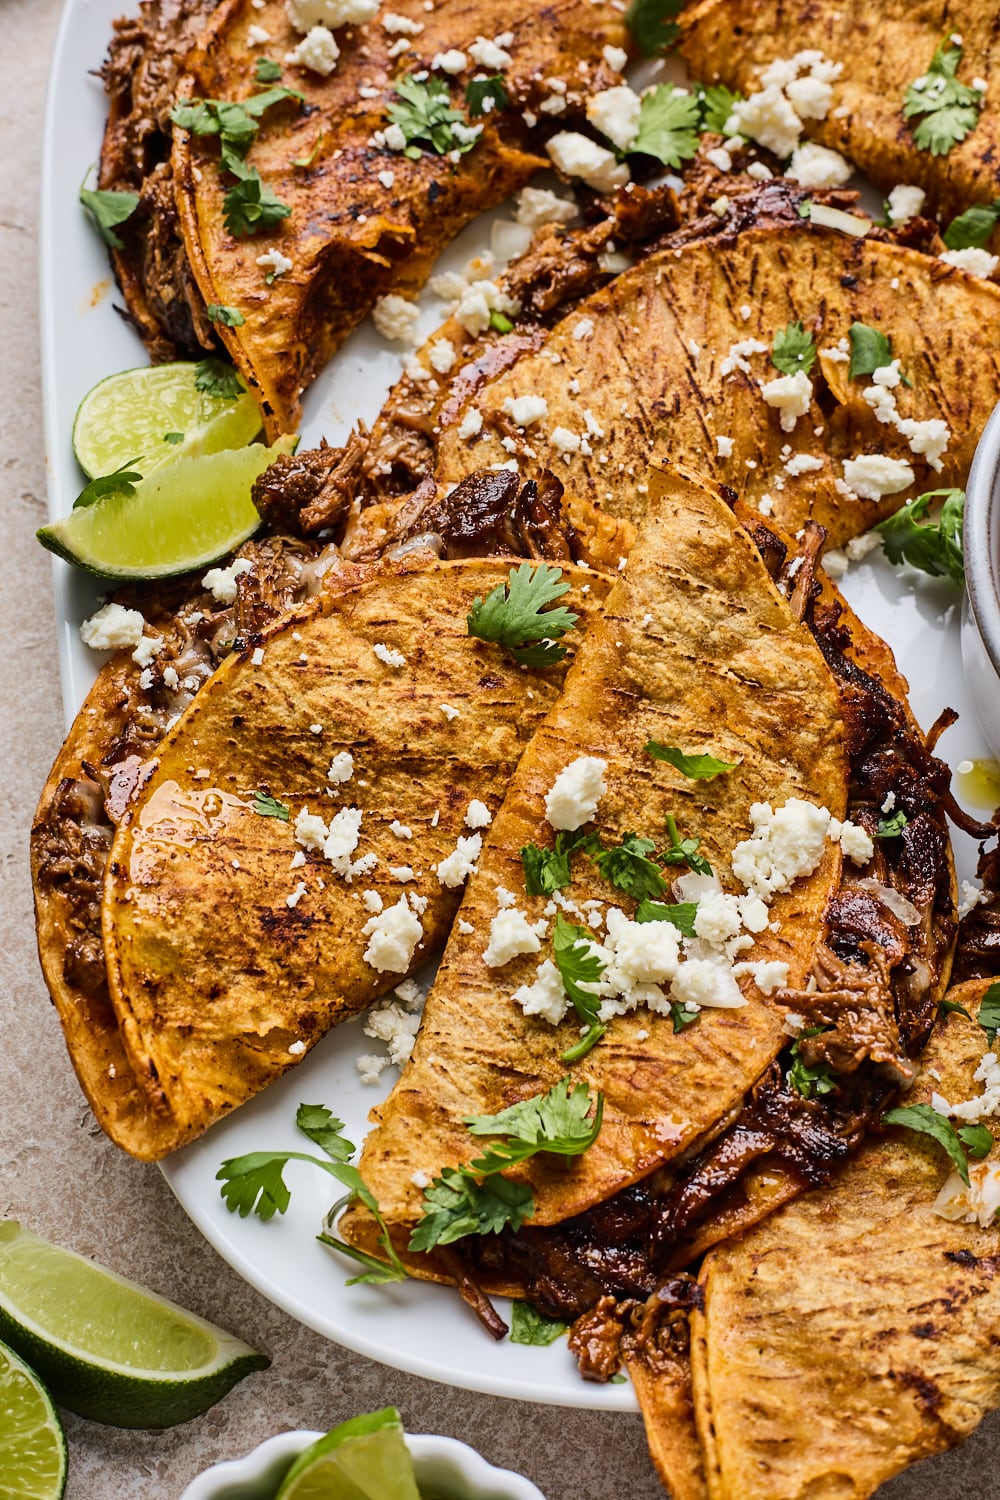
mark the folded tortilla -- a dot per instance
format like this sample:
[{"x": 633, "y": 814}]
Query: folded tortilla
[
  {"x": 365, "y": 220},
  {"x": 853, "y": 1332},
  {"x": 697, "y": 648},
  {"x": 230, "y": 948},
  {"x": 881, "y": 51}
]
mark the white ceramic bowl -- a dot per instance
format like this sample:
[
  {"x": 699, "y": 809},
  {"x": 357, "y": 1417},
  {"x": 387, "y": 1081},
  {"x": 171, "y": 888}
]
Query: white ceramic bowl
[
  {"x": 445, "y": 1468},
  {"x": 981, "y": 609}
]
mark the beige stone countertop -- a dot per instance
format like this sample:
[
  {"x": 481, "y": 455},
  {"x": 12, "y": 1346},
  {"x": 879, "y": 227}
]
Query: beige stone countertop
[{"x": 60, "y": 1176}]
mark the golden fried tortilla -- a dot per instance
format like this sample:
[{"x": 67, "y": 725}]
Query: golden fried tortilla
[
  {"x": 696, "y": 648},
  {"x": 218, "y": 963},
  {"x": 366, "y": 220},
  {"x": 883, "y": 49},
  {"x": 853, "y": 1332}
]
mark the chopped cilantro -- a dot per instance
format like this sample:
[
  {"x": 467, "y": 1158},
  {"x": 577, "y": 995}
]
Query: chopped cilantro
[
  {"x": 215, "y": 378},
  {"x": 652, "y": 24},
  {"x": 236, "y": 125},
  {"x": 668, "y": 125},
  {"x": 926, "y": 1121},
  {"x": 892, "y": 827},
  {"x": 716, "y": 105},
  {"x": 695, "y": 767},
  {"x": 548, "y": 870},
  {"x": 950, "y": 1007},
  {"x": 870, "y": 350},
  {"x": 456, "y": 1206},
  {"x": 805, "y": 1080},
  {"x": 122, "y": 481},
  {"x": 577, "y": 965},
  {"x": 108, "y": 208},
  {"x": 250, "y": 206},
  {"x": 266, "y": 806},
  {"x": 947, "y": 109},
  {"x": 680, "y": 1016},
  {"x": 173, "y": 437},
  {"x": 254, "y": 1184},
  {"x": 307, "y": 161},
  {"x": 529, "y": 1326},
  {"x": 484, "y": 95},
  {"x": 499, "y": 322},
  {"x": 977, "y": 1139},
  {"x": 267, "y": 70},
  {"x": 989, "y": 1013},
  {"x": 628, "y": 867},
  {"x": 425, "y": 116},
  {"x": 972, "y": 230},
  {"x": 933, "y": 546},
  {"x": 231, "y": 317},
  {"x": 682, "y": 914},
  {"x": 513, "y": 615},
  {"x": 794, "y": 350},
  {"x": 684, "y": 851},
  {"x": 588, "y": 1040}
]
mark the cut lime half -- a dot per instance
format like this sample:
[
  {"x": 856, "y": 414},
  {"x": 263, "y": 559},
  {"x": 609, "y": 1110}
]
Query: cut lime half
[
  {"x": 147, "y": 417},
  {"x": 32, "y": 1444},
  {"x": 363, "y": 1459},
  {"x": 106, "y": 1348},
  {"x": 186, "y": 515}
]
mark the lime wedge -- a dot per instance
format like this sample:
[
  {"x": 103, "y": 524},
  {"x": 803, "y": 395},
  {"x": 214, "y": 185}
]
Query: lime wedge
[
  {"x": 188, "y": 514},
  {"x": 32, "y": 1445},
  {"x": 106, "y": 1348},
  {"x": 364, "y": 1459},
  {"x": 157, "y": 413}
]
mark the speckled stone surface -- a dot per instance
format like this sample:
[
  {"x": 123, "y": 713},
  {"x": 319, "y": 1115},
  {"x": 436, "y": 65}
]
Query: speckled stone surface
[{"x": 59, "y": 1175}]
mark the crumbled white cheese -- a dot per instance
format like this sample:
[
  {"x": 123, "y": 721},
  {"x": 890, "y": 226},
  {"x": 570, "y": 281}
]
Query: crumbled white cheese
[
  {"x": 615, "y": 113},
  {"x": 545, "y": 996},
  {"x": 471, "y": 424},
  {"x": 389, "y": 655},
  {"x": 341, "y": 768},
  {"x": 452, "y": 61},
  {"x": 704, "y": 982},
  {"x": 723, "y": 446},
  {"x": 478, "y": 301},
  {"x": 802, "y": 463},
  {"x": 305, "y": 14},
  {"x": 310, "y": 830},
  {"x": 393, "y": 936},
  {"x": 257, "y": 36},
  {"x": 972, "y": 896},
  {"x": 768, "y": 974},
  {"x": 396, "y": 318},
  {"x": 537, "y": 206},
  {"x": 816, "y": 166},
  {"x": 511, "y": 934},
  {"x": 489, "y": 54},
  {"x": 273, "y": 263},
  {"x": 565, "y": 441},
  {"x": 720, "y": 157},
  {"x": 978, "y": 1203},
  {"x": 791, "y": 395},
  {"x": 401, "y": 25},
  {"x": 372, "y": 901},
  {"x": 577, "y": 156},
  {"x": 524, "y": 410},
  {"x": 786, "y": 843},
  {"x": 855, "y": 842},
  {"x": 112, "y": 627},
  {"x": 928, "y": 439},
  {"x": 457, "y": 866},
  {"x": 769, "y": 118},
  {"x": 342, "y": 839},
  {"x": 477, "y": 814},
  {"x": 221, "y": 582},
  {"x": 905, "y": 202},
  {"x": 394, "y": 137},
  {"x": 147, "y": 650},
  {"x": 615, "y": 57},
  {"x": 449, "y": 711},
  {"x": 388, "y": 1022},
  {"x": 573, "y": 797},
  {"x": 739, "y": 355},
  {"x": 401, "y": 830},
  {"x": 295, "y": 896},
  {"x": 759, "y": 172},
  {"x": 442, "y": 355},
  {"x": 403, "y": 873},
  {"x": 297, "y": 1048},
  {"x": 974, "y": 260},
  {"x": 317, "y": 51},
  {"x": 584, "y": 329},
  {"x": 370, "y": 1065},
  {"x": 872, "y": 475}
]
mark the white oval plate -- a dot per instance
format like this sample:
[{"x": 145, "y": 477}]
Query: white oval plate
[{"x": 423, "y": 1329}]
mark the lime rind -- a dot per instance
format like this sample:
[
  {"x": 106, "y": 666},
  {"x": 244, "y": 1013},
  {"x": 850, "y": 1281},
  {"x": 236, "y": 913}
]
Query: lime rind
[
  {"x": 127, "y": 417},
  {"x": 33, "y": 1456}
]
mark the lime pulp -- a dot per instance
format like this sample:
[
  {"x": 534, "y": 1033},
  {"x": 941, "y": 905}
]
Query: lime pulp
[
  {"x": 32, "y": 1444},
  {"x": 363, "y": 1459}
]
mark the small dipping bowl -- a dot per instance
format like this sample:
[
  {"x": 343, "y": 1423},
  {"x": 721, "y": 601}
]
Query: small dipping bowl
[
  {"x": 445, "y": 1470},
  {"x": 981, "y": 606}
]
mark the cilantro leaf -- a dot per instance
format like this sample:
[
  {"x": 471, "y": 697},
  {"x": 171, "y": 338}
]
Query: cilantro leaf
[
  {"x": 695, "y": 767},
  {"x": 559, "y": 1121},
  {"x": 870, "y": 350},
  {"x": 977, "y": 1139},
  {"x": 267, "y": 70},
  {"x": 121, "y": 481},
  {"x": 628, "y": 867},
  {"x": 529, "y": 1326},
  {"x": 947, "y": 110},
  {"x": 322, "y": 1127},
  {"x": 254, "y": 1183},
  {"x": 215, "y": 378},
  {"x": 236, "y": 124},
  {"x": 269, "y": 807},
  {"x": 926, "y": 1121},
  {"x": 425, "y": 116},
  {"x": 484, "y": 95},
  {"x": 972, "y": 230},
  {"x": 577, "y": 965},
  {"x": 950, "y": 1007},
  {"x": 681, "y": 915},
  {"x": 684, "y": 851},
  {"x": 513, "y": 615},
  {"x": 668, "y": 125},
  {"x": 652, "y": 25},
  {"x": 892, "y": 827},
  {"x": 989, "y": 1013},
  {"x": 107, "y": 208},
  {"x": 548, "y": 870},
  {"x": 805, "y": 1080},
  {"x": 230, "y": 317},
  {"x": 680, "y": 1016},
  {"x": 933, "y": 546},
  {"x": 716, "y": 105},
  {"x": 251, "y": 206},
  {"x": 793, "y": 350},
  {"x": 173, "y": 437},
  {"x": 456, "y": 1205}
]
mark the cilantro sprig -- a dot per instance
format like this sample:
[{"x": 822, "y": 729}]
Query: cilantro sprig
[
  {"x": 266, "y": 806},
  {"x": 548, "y": 870},
  {"x": 970, "y": 1140},
  {"x": 932, "y": 544},
  {"x": 424, "y": 113},
  {"x": 803, "y": 1079},
  {"x": 627, "y": 866},
  {"x": 681, "y": 1017},
  {"x": 229, "y": 317},
  {"x": 250, "y": 206},
  {"x": 514, "y": 615},
  {"x": 475, "y": 1198},
  {"x": 669, "y": 120},
  {"x": 694, "y": 767},
  {"x": 974, "y": 228},
  {"x": 215, "y": 378},
  {"x": 871, "y": 349},
  {"x": 107, "y": 208},
  {"x": 121, "y": 481},
  {"x": 529, "y": 1326},
  {"x": 892, "y": 826},
  {"x": 946, "y": 109},
  {"x": 579, "y": 966},
  {"x": 716, "y": 104},
  {"x": 684, "y": 851},
  {"x": 793, "y": 350},
  {"x": 486, "y": 95},
  {"x": 254, "y": 1184},
  {"x": 681, "y": 914},
  {"x": 989, "y": 1013},
  {"x": 652, "y": 24}
]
